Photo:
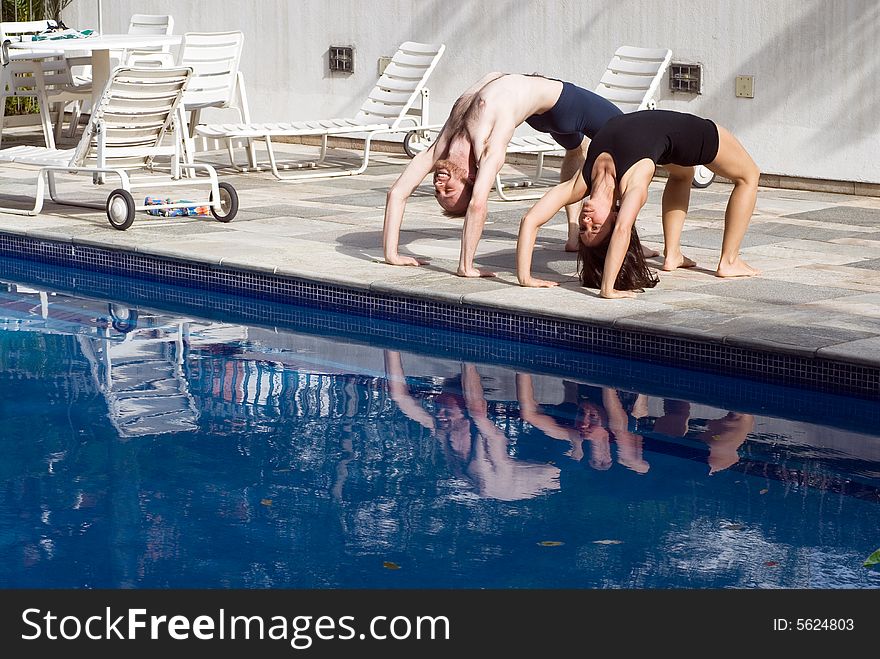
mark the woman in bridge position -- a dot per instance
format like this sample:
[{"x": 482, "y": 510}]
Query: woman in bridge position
[{"x": 620, "y": 165}]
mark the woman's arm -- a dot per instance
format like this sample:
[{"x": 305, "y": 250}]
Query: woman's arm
[
  {"x": 631, "y": 203},
  {"x": 554, "y": 200},
  {"x": 629, "y": 445},
  {"x": 531, "y": 413}
]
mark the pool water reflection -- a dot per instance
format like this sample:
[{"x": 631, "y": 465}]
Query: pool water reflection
[{"x": 154, "y": 449}]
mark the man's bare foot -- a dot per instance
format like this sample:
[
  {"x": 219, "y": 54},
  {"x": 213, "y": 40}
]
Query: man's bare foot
[
  {"x": 738, "y": 268},
  {"x": 649, "y": 253},
  {"x": 475, "y": 272},
  {"x": 681, "y": 261},
  {"x": 531, "y": 282}
]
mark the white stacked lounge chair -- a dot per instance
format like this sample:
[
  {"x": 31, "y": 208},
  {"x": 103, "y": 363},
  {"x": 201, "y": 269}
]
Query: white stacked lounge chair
[{"x": 138, "y": 119}]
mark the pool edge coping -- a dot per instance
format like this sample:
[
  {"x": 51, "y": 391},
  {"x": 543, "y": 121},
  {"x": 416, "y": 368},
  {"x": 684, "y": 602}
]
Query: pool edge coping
[{"x": 738, "y": 356}]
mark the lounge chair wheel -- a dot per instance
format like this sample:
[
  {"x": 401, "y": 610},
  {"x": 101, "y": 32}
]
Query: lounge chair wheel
[
  {"x": 424, "y": 141},
  {"x": 703, "y": 177},
  {"x": 407, "y": 146},
  {"x": 124, "y": 319},
  {"x": 228, "y": 203},
  {"x": 120, "y": 209}
]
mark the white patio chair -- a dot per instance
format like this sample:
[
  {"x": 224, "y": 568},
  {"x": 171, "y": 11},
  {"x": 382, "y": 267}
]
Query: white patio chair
[
  {"x": 217, "y": 81},
  {"x": 126, "y": 133},
  {"x": 391, "y": 107},
  {"x": 630, "y": 81},
  {"x": 149, "y": 24},
  {"x": 138, "y": 24},
  {"x": 45, "y": 77}
]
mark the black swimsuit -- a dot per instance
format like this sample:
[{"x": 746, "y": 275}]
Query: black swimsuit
[
  {"x": 577, "y": 113},
  {"x": 664, "y": 136}
]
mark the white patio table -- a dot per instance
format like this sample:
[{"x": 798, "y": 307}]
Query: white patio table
[{"x": 99, "y": 46}]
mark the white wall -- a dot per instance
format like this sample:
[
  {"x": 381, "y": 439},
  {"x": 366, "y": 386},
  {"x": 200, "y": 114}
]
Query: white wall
[{"x": 815, "y": 62}]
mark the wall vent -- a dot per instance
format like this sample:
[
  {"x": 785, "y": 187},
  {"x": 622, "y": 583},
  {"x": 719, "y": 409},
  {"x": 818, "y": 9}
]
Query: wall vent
[
  {"x": 686, "y": 78},
  {"x": 342, "y": 58}
]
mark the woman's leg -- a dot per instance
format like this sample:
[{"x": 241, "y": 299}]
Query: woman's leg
[
  {"x": 676, "y": 197},
  {"x": 733, "y": 162}
]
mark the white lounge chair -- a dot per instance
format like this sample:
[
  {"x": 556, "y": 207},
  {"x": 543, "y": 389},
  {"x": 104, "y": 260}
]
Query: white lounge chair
[
  {"x": 390, "y": 108},
  {"x": 127, "y": 131}
]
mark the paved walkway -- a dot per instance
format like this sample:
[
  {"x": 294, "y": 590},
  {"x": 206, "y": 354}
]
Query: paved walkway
[{"x": 819, "y": 294}]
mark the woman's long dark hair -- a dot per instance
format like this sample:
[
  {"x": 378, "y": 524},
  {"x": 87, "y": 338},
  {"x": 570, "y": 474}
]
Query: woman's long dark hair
[{"x": 634, "y": 275}]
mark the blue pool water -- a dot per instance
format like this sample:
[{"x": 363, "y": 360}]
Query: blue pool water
[{"x": 172, "y": 444}]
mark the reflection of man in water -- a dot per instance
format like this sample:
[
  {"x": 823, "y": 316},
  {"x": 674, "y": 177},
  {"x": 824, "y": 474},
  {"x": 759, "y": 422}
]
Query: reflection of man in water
[
  {"x": 587, "y": 413},
  {"x": 472, "y": 442}
]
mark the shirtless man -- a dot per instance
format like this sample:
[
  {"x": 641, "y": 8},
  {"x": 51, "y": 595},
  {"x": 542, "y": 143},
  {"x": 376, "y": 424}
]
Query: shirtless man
[{"x": 471, "y": 149}]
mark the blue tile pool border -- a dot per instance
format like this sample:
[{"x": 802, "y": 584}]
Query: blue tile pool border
[{"x": 706, "y": 356}]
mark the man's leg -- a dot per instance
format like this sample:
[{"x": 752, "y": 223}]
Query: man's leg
[{"x": 572, "y": 163}]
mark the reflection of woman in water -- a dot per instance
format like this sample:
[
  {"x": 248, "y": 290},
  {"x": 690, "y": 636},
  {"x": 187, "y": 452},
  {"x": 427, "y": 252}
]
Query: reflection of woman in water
[
  {"x": 469, "y": 437},
  {"x": 723, "y": 436},
  {"x": 592, "y": 414}
]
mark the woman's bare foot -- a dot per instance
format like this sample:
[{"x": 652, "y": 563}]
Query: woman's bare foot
[
  {"x": 738, "y": 268},
  {"x": 649, "y": 253},
  {"x": 680, "y": 261}
]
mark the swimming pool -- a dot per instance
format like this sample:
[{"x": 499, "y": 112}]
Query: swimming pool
[{"x": 182, "y": 444}]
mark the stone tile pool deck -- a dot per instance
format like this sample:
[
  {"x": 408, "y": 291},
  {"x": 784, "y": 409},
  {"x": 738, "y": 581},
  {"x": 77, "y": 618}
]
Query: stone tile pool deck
[{"x": 818, "y": 298}]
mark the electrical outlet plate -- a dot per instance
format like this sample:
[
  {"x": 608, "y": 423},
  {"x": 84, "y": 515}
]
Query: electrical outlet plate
[
  {"x": 745, "y": 86},
  {"x": 384, "y": 61}
]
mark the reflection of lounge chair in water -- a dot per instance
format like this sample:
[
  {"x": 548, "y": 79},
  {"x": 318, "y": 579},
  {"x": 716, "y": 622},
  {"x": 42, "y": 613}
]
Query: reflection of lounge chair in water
[
  {"x": 140, "y": 373},
  {"x": 137, "y": 362},
  {"x": 123, "y": 318}
]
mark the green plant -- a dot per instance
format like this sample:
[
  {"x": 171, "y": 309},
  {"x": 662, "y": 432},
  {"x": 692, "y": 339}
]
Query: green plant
[
  {"x": 53, "y": 8},
  {"x": 29, "y": 10}
]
